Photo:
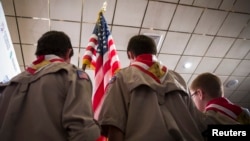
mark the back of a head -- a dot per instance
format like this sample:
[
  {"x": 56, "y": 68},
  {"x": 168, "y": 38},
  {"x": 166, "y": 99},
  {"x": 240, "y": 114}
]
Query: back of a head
[
  {"x": 54, "y": 42},
  {"x": 141, "y": 44},
  {"x": 209, "y": 83}
]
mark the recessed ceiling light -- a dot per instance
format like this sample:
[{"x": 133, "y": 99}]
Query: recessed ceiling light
[
  {"x": 232, "y": 83},
  {"x": 187, "y": 65}
]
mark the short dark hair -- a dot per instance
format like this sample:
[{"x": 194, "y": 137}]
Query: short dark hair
[
  {"x": 209, "y": 83},
  {"x": 141, "y": 44},
  {"x": 54, "y": 42}
]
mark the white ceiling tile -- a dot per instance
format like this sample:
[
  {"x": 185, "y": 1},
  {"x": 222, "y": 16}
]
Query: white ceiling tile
[
  {"x": 245, "y": 84},
  {"x": 207, "y": 3},
  {"x": 239, "y": 49},
  {"x": 8, "y": 7},
  {"x": 198, "y": 45},
  {"x": 123, "y": 57},
  {"x": 91, "y": 74},
  {"x": 247, "y": 56},
  {"x": 243, "y": 69},
  {"x": 228, "y": 93},
  {"x": 246, "y": 99},
  {"x": 219, "y": 47},
  {"x": 189, "y": 2},
  {"x": 246, "y": 32},
  {"x": 210, "y": 22},
  {"x": 32, "y": 8},
  {"x": 157, "y": 33},
  {"x": 60, "y": 10},
  {"x": 187, "y": 59},
  {"x": 233, "y": 25},
  {"x": 91, "y": 8},
  {"x": 207, "y": 65},
  {"x": 18, "y": 53},
  {"x": 187, "y": 16},
  {"x": 227, "y": 5},
  {"x": 186, "y": 77},
  {"x": 32, "y": 29},
  {"x": 242, "y": 6},
  {"x": 175, "y": 43},
  {"x": 87, "y": 31},
  {"x": 72, "y": 29},
  {"x": 121, "y": 36},
  {"x": 75, "y": 58},
  {"x": 173, "y": 1},
  {"x": 29, "y": 54},
  {"x": 170, "y": 61},
  {"x": 158, "y": 15},
  {"x": 227, "y": 66},
  {"x": 130, "y": 12},
  {"x": 223, "y": 78},
  {"x": 192, "y": 79},
  {"x": 237, "y": 96},
  {"x": 12, "y": 26}
]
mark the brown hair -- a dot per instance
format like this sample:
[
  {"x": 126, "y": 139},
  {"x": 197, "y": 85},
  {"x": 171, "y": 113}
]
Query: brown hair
[
  {"x": 141, "y": 44},
  {"x": 54, "y": 42},
  {"x": 208, "y": 83}
]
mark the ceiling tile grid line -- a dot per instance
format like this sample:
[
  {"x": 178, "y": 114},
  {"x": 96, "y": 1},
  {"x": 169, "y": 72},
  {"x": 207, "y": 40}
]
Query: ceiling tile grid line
[
  {"x": 212, "y": 42},
  {"x": 127, "y": 26},
  {"x": 158, "y": 1},
  {"x": 192, "y": 35},
  {"x": 237, "y": 37}
]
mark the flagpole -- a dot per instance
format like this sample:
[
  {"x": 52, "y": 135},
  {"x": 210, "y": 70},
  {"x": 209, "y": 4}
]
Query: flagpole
[{"x": 103, "y": 9}]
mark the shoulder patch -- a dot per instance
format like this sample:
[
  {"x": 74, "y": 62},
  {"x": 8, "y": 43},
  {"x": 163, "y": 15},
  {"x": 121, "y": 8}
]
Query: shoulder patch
[
  {"x": 82, "y": 75},
  {"x": 112, "y": 79}
]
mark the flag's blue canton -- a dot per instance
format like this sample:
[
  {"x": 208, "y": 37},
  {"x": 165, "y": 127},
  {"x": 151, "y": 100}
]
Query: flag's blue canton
[{"x": 102, "y": 32}]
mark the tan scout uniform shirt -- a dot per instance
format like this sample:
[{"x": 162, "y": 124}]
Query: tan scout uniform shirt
[
  {"x": 145, "y": 110},
  {"x": 52, "y": 105}
]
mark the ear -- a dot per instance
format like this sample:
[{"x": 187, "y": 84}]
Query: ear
[
  {"x": 131, "y": 55},
  {"x": 200, "y": 94},
  {"x": 67, "y": 57}
]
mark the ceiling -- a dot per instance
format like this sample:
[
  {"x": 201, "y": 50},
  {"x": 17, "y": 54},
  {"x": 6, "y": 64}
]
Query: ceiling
[{"x": 213, "y": 35}]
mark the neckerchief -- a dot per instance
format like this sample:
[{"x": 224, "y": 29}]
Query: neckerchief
[
  {"x": 149, "y": 64},
  {"x": 224, "y": 106},
  {"x": 43, "y": 61}
]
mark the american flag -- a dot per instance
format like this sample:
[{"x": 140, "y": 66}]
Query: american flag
[{"x": 101, "y": 55}]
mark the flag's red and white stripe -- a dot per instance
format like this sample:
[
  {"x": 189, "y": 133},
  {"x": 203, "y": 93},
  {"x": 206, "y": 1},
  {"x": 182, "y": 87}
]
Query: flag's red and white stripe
[
  {"x": 105, "y": 68},
  {"x": 105, "y": 64}
]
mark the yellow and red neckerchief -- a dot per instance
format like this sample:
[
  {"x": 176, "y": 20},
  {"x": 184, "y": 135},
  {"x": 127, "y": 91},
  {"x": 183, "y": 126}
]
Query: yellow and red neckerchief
[
  {"x": 43, "y": 61},
  {"x": 149, "y": 64}
]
